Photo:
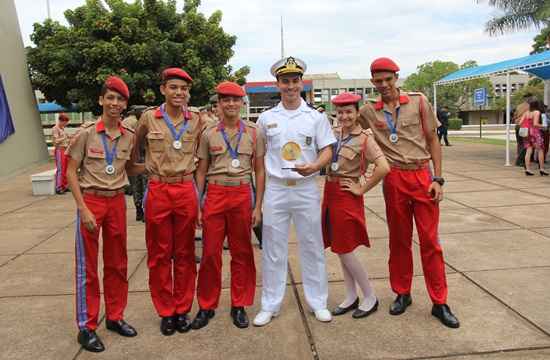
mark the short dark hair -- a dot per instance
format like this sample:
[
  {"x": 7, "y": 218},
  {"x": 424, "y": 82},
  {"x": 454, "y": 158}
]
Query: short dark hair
[{"x": 535, "y": 104}]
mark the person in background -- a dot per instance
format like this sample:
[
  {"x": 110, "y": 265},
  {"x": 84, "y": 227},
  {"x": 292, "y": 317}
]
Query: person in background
[
  {"x": 138, "y": 183},
  {"x": 443, "y": 117},
  {"x": 60, "y": 142},
  {"x": 531, "y": 120}
]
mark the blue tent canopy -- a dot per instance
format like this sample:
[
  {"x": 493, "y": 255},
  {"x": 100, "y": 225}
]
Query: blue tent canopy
[
  {"x": 536, "y": 64},
  {"x": 51, "y": 107}
]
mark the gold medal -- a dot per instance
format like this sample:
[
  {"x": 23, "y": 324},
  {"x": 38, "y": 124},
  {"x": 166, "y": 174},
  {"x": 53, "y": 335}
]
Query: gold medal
[{"x": 291, "y": 151}]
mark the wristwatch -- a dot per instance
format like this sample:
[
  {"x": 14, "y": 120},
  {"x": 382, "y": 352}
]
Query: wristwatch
[{"x": 439, "y": 180}]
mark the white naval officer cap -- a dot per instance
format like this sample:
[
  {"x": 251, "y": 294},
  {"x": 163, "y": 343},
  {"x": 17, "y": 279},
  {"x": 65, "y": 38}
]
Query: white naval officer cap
[{"x": 288, "y": 65}]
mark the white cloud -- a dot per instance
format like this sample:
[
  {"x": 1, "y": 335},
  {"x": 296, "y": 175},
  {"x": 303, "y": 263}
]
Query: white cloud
[{"x": 344, "y": 36}]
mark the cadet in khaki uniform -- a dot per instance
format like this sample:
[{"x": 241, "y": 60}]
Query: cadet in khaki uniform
[
  {"x": 60, "y": 142},
  {"x": 228, "y": 153},
  {"x": 102, "y": 152},
  {"x": 343, "y": 208},
  {"x": 404, "y": 125},
  {"x": 170, "y": 134}
]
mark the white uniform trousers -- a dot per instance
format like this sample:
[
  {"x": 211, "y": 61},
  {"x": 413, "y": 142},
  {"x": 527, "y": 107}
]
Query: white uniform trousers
[{"x": 302, "y": 204}]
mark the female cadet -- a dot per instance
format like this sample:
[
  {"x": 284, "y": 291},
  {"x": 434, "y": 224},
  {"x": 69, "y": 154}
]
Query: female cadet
[{"x": 344, "y": 225}]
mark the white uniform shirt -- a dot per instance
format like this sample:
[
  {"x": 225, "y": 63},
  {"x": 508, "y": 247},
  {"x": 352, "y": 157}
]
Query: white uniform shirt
[{"x": 305, "y": 126}]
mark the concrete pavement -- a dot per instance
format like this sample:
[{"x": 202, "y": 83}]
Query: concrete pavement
[{"x": 495, "y": 231}]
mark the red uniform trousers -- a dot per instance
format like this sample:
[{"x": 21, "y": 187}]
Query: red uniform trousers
[
  {"x": 406, "y": 196},
  {"x": 61, "y": 172},
  {"x": 170, "y": 220},
  {"x": 227, "y": 211},
  {"x": 110, "y": 215}
]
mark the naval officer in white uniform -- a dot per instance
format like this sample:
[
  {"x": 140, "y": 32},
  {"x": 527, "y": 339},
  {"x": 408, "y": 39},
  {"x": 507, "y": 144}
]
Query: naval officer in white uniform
[{"x": 299, "y": 140}]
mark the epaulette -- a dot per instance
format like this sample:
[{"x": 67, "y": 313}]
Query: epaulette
[
  {"x": 367, "y": 132},
  {"x": 87, "y": 124},
  {"x": 372, "y": 100},
  {"x": 415, "y": 93},
  {"x": 126, "y": 127},
  {"x": 193, "y": 109},
  {"x": 250, "y": 124}
]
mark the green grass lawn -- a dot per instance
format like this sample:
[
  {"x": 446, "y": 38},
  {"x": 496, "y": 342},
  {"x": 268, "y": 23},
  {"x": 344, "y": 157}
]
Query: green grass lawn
[{"x": 479, "y": 141}]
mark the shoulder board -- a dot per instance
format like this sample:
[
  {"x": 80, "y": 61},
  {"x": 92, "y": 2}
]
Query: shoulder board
[
  {"x": 371, "y": 100},
  {"x": 193, "y": 109},
  {"x": 415, "y": 94},
  {"x": 87, "y": 124},
  {"x": 367, "y": 132},
  {"x": 149, "y": 109},
  {"x": 250, "y": 124},
  {"x": 128, "y": 128}
]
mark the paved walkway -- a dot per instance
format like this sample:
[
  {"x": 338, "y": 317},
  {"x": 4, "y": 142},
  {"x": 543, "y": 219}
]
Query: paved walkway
[{"x": 495, "y": 230}]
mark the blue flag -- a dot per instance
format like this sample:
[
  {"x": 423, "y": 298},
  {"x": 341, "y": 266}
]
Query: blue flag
[{"x": 6, "y": 122}]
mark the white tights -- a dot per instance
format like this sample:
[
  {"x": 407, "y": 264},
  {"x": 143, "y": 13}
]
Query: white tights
[{"x": 355, "y": 274}]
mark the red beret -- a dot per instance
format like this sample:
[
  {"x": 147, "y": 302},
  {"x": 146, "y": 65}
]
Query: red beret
[
  {"x": 346, "y": 99},
  {"x": 117, "y": 84},
  {"x": 383, "y": 64},
  {"x": 176, "y": 73},
  {"x": 63, "y": 117},
  {"x": 230, "y": 89}
]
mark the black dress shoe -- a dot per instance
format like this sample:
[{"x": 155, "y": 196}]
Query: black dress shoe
[
  {"x": 90, "y": 341},
  {"x": 342, "y": 310},
  {"x": 240, "y": 319},
  {"x": 168, "y": 325},
  {"x": 182, "y": 323},
  {"x": 400, "y": 304},
  {"x": 121, "y": 327},
  {"x": 444, "y": 314},
  {"x": 358, "y": 313},
  {"x": 201, "y": 320},
  {"x": 140, "y": 216}
]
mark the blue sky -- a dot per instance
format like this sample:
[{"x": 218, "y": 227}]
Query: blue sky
[{"x": 342, "y": 36}]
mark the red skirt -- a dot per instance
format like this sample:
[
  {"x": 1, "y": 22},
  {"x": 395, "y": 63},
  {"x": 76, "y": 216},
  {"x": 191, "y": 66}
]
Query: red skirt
[{"x": 343, "y": 219}]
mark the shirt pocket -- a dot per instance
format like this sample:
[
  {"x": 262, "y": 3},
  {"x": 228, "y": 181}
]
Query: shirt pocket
[
  {"x": 155, "y": 141},
  {"x": 348, "y": 152},
  {"x": 123, "y": 154},
  {"x": 408, "y": 120},
  {"x": 306, "y": 139},
  {"x": 188, "y": 144},
  {"x": 273, "y": 138}
]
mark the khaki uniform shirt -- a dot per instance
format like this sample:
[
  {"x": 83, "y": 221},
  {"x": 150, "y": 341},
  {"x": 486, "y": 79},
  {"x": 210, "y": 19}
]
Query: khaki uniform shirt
[
  {"x": 416, "y": 118},
  {"x": 60, "y": 138},
  {"x": 130, "y": 122},
  {"x": 213, "y": 148},
  {"x": 87, "y": 150},
  {"x": 160, "y": 156},
  {"x": 355, "y": 155}
]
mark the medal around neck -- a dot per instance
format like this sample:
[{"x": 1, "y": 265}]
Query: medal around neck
[
  {"x": 110, "y": 170},
  {"x": 334, "y": 166},
  {"x": 176, "y": 144},
  {"x": 235, "y": 163},
  {"x": 394, "y": 138}
]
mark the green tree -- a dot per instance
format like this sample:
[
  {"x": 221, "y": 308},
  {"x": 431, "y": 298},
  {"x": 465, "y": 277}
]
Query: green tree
[
  {"x": 518, "y": 15},
  {"x": 535, "y": 87},
  {"x": 134, "y": 41},
  {"x": 455, "y": 96}
]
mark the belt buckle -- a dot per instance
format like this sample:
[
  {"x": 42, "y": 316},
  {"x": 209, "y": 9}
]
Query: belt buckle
[{"x": 291, "y": 182}]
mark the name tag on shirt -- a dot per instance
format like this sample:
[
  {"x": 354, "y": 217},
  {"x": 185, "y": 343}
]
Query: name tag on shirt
[{"x": 272, "y": 126}]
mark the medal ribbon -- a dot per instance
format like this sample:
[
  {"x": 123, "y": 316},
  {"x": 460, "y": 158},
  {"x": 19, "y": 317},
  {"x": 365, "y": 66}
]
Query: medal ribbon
[
  {"x": 389, "y": 120},
  {"x": 168, "y": 122},
  {"x": 109, "y": 153},
  {"x": 233, "y": 152},
  {"x": 338, "y": 146}
]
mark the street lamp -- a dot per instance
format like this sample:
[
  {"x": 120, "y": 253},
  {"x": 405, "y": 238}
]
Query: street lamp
[{"x": 48, "y": 7}]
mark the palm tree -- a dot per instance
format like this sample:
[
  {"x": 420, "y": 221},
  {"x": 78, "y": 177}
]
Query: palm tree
[{"x": 518, "y": 15}]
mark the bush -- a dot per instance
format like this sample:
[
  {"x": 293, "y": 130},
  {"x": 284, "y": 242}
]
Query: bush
[{"x": 455, "y": 124}]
